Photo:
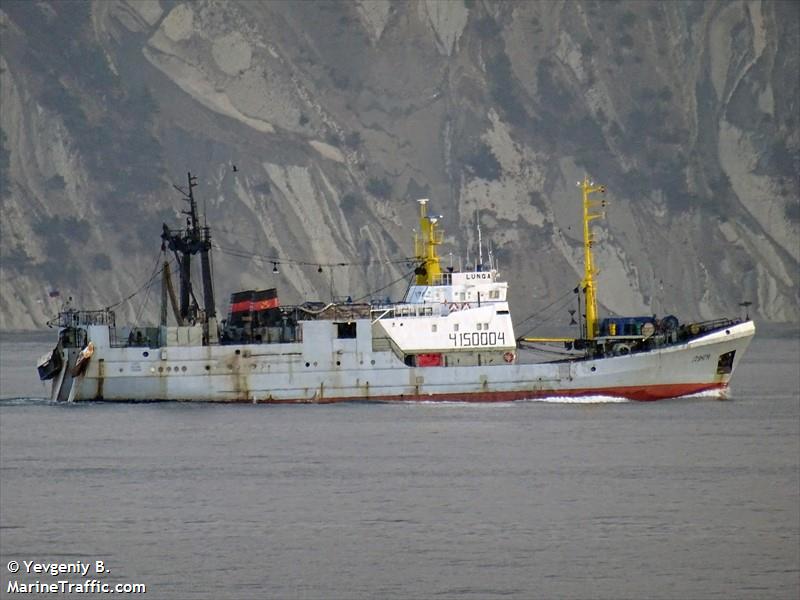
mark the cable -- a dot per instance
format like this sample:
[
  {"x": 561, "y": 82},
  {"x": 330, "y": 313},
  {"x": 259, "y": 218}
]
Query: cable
[
  {"x": 146, "y": 300},
  {"x": 373, "y": 292},
  {"x": 540, "y": 311},
  {"x": 308, "y": 263},
  {"x": 143, "y": 286},
  {"x": 555, "y": 306},
  {"x": 565, "y": 302}
]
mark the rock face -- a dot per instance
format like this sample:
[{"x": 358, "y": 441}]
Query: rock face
[{"x": 339, "y": 115}]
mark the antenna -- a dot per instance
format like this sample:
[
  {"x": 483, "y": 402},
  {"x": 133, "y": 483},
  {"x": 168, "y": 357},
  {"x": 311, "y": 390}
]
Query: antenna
[
  {"x": 480, "y": 243},
  {"x": 746, "y": 305}
]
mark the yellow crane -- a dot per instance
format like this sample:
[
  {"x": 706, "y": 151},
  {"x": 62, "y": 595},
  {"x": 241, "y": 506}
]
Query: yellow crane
[
  {"x": 588, "y": 187},
  {"x": 587, "y": 284}
]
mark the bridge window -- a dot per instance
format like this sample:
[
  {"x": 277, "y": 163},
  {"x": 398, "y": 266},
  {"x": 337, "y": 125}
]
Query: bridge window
[{"x": 345, "y": 330}]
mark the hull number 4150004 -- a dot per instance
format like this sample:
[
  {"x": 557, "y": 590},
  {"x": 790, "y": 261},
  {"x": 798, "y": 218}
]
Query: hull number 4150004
[{"x": 478, "y": 338}]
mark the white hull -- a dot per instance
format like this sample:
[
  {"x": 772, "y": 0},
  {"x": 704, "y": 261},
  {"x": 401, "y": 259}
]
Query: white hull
[{"x": 350, "y": 370}]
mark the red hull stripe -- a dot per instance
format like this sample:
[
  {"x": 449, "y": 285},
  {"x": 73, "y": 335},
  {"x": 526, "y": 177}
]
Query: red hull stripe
[{"x": 641, "y": 393}]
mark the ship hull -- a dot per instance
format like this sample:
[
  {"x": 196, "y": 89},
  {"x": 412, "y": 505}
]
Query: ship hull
[{"x": 349, "y": 370}]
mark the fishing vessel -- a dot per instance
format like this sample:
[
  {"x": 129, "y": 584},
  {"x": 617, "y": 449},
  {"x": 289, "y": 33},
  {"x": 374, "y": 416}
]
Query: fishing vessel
[{"x": 450, "y": 338}]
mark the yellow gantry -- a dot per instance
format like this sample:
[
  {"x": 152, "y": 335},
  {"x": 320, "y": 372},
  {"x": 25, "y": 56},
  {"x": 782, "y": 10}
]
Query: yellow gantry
[
  {"x": 425, "y": 243},
  {"x": 588, "y": 286}
]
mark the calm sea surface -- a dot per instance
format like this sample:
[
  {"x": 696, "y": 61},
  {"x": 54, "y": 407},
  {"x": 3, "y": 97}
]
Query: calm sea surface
[{"x": 693, "y": 498}]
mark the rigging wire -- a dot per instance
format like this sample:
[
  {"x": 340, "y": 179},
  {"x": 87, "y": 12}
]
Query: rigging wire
[
  {"x": 144, "y": 304},
  {"x": 373, "y": 292},
  {"x": 241, "y": 234},
  {"x": 308, "y": 263},
  {"x": 554, "y": 310},
  {"x": 542, "y": 310},
  {"x": 146, "y": 284}
]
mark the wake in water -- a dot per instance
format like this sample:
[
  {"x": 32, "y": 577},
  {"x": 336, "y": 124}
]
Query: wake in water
[
  {"x": 25, "y": 401},
  {"x": 719, "y": 394},
  {"x": 596, "y": 399}
]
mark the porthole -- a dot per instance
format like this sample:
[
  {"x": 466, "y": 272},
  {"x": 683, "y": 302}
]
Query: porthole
[
  {"x": 169, "y": 369},
  {"x": 338, "y": 363},
  {"x": 315, "y": 363},
  {"x": 183, "y": 368},
  {"x": 160, "y": 369},
  {"x": 372, "y": 362},
  {"x": 594, "y": 369},
  {"x": 208, "y": 367},
  {"x": 145, "y": 354},
  {"x": 308, "y": 364},
  {"x": 238, "y": 352},
  {"x": 120, "y": 369}
]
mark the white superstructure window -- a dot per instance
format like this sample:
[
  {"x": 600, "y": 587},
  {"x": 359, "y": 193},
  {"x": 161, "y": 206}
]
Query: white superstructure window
[
  {"x": 434, "y": 328},
  {"x": 455, "y": 326}
]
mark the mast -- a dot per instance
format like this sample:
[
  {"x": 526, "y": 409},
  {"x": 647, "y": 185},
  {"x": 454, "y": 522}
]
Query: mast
[
  {"x": 430, "y": 268},
  {"x": 588, "y": 284},
  {"x": 184, "y": 243},
  {"x": 201, "y": 241}
]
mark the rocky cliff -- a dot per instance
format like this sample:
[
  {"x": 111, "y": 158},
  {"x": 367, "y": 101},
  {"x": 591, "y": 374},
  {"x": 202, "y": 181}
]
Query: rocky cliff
[{"x": 338, "y": 115}]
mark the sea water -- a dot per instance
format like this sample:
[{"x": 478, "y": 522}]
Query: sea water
[{"x": 686, "y": 498}]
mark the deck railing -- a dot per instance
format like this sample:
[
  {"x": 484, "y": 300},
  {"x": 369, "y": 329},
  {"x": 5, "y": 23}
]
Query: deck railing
[{"x": 81, "y": 318}]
